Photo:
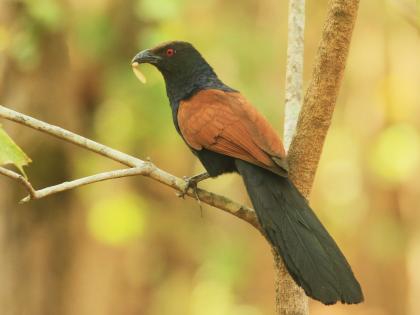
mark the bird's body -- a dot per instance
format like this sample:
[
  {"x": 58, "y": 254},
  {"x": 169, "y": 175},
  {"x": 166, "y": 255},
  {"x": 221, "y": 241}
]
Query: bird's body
[
  {"x": 229, "y": 135},
  {"x": 226, "y": 123}
]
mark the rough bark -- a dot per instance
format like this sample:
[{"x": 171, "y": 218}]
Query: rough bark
[{"x": 312, "y": 127}]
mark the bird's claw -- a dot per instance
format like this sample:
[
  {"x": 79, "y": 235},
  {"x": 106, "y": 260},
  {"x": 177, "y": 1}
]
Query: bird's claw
[{"x": 191, "y": 183}]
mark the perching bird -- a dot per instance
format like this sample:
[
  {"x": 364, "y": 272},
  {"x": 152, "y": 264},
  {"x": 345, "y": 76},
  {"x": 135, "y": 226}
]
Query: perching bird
[{"x": 229, "y": 135}]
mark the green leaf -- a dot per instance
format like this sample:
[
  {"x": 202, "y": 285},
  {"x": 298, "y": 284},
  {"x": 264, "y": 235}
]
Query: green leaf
[{"x": 10, "y": 153}]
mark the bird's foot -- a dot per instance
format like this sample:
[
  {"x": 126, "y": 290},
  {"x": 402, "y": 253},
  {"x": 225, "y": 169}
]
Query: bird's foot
[{"x": 191, "y": 183}]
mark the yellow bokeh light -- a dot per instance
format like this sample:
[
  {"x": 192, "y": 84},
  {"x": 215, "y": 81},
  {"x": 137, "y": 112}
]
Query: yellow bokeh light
[
  {"x": 117, "y": 220},
  {"x": 396, "y": 153}
]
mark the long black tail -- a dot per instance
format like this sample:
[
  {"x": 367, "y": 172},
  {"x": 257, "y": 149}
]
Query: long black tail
[{"x": 310, "y": 254}]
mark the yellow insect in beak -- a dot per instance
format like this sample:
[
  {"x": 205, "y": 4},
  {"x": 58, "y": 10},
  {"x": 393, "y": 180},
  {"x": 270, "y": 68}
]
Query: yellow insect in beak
[{"x": 138, "y": 73}]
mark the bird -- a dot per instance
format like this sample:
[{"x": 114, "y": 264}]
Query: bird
[{"x": 228, "y": 135}]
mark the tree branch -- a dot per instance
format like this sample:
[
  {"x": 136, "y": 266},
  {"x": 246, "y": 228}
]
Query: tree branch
[
  {"x": 290, "y": 298},
  {"x": 313, "y": 124},
  {"x": 22, "y": 180},
  {"x": 38, "y": 194},
  {"x": 137, "y": 165},
  {"x": 294, "y": 68}
]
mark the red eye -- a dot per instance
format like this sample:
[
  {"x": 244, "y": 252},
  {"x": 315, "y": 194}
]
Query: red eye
[{"x": 170, "y": 52}]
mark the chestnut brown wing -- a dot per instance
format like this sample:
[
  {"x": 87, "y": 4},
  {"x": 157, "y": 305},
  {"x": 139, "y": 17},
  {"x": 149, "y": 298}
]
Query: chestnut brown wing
[{"x": 226, "y": 123}]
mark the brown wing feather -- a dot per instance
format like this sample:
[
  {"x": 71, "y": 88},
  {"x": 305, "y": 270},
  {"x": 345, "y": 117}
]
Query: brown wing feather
[{"x": 226, "y": 123}]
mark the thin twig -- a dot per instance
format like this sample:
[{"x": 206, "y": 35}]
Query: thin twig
[
  {"x": 20, "y": 179},
  {"x": 294, "y": 68},
  {"x": 38, "y": 194},
  {"x": 290, "y": 298},
  {"x": 241, "y": 211}
]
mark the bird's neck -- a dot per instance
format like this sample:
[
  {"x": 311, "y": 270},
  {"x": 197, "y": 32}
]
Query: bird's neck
[{"x": 184, "y": 84}]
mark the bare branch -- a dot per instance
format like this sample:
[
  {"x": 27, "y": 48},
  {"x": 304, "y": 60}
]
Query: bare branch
[
  {"x": 241, "y": 211},
  {"x": 69, "y": 136},
  {"x": 20, "y": 179},
  {"x": 294, "y": 68},
  {"x": 38, "y": 194},
  {"x": 290, "y": 298}
]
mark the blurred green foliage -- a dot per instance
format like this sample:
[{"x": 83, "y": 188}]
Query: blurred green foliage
[
  {"x": 94, "y": 34},
  {"x": 396, "y": 153},
  {"x": 117, "y": 220},
  {"x": 48, "y": 13}
]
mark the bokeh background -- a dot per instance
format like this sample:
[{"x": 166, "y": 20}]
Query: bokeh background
[{"x": 130, "y": 246}]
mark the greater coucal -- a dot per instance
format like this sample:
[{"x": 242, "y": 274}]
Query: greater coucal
[{"x": 229, "y": 135}]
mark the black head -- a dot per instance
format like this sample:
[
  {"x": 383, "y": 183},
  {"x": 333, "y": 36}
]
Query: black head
[
  {"x": 171, "y": 57},
  {"x": 184, "y": 69}
]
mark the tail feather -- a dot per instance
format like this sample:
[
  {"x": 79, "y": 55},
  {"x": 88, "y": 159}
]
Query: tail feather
[{"x": 311, "y": 256}]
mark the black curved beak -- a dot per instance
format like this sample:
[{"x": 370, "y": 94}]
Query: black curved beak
[{"x": 145, "y": 56}]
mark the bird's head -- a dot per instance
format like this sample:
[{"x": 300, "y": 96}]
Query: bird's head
[
  {"x": 173, "y": 59},
  {"x": 184, "y": 69}
]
